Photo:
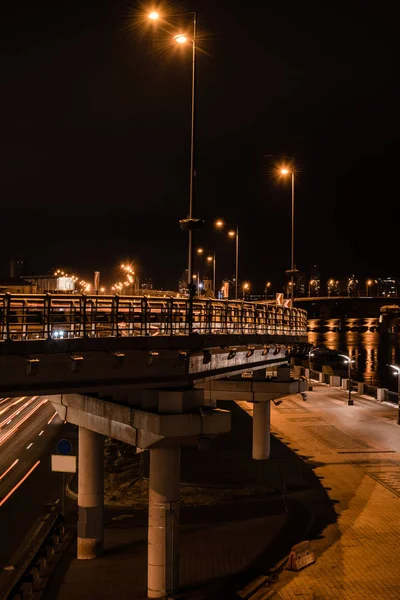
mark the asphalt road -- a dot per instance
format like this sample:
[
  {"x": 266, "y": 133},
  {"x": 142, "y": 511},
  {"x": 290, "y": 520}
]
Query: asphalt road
[{"x": 29, "y": 432}]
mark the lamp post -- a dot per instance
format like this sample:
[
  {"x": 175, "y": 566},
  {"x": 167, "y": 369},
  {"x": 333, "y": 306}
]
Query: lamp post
[
  {"x": 232, "y": 233},
  {"x": 286, "y": 171},
  {"x": 246, "y": 287},
  {"x": 267, "y": 286},
  {"x": 367, "y": 284},
  {"x": 310, "y": 354},
  {"x": 211, "y": 260},
  {"x": 349, "y": 361},
  {"x": 190, "y": 224},
  {"x": 397, "y": 372}
]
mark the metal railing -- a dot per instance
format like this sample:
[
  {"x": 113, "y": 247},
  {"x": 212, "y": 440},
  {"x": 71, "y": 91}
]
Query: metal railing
[{"x": 47, "y": 316}]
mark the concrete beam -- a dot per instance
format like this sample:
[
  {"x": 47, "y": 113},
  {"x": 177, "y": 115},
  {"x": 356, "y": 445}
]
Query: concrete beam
[
  {"x": 251, "y": 390},
  {"x": 137, "y": 427}
]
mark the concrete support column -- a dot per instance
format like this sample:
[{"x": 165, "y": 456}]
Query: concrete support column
[
  {"x": 90, "y": 494},
  {"x": 164, "y": 489},
  {"x": 261, "y": 430}
]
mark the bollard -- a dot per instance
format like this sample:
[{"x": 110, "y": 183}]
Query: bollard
[
  {"x": 381, "y": 394},
  {"x": 334, "y": 380},
  {"x": 345, "y": 384},
  {"x": 360, "y": 387}
]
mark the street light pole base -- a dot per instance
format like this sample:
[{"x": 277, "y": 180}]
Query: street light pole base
[{"x": 350, "y": 402}]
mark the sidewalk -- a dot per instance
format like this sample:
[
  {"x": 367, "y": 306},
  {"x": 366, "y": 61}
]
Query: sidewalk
[
  {"x": 339, "y": 463},
  {"x": 356, "y": 452}
]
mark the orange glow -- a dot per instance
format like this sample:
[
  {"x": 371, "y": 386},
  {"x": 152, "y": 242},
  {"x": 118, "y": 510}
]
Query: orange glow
[
  {"x": 219, "y": 223},
  {"x": 181, "y": 38},
  {"x": 246, "y": 286},
  {"x": 10, "y": 493},
  {"x": 231, "y": 233},
  {"x": 14, "y": 429},
  {"x": 9, "y": 469},
  {"x": 154, "y": 15},
  {"x": 209, "y": 258},
  {"x": 284, "y": 171},
  {"x": 200, "y": 250}
]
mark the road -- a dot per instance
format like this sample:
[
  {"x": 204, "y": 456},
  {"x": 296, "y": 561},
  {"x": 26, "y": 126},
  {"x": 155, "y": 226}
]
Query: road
[{"x": 29, "y": 432}]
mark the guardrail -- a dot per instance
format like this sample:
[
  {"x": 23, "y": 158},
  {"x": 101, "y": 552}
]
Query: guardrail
[
  {"x": 37, "y": 562},
  {"x": 47, "y": 316}
]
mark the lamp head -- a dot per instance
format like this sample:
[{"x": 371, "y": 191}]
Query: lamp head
[
  {"x": 181, "y": 38},
  {"x": 154, "y": 15}
]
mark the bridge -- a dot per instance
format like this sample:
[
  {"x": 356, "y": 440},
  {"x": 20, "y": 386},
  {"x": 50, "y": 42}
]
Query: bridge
[
  {"x": 148, "y": 372},
  {"x": 327, "y": 307}
]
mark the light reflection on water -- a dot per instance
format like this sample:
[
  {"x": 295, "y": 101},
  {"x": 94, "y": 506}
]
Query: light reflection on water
[{"x": 371, "y": 351}]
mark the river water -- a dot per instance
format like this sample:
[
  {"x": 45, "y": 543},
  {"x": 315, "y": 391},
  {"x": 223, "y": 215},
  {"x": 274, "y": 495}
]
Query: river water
[{"x": 372, "y": 351}]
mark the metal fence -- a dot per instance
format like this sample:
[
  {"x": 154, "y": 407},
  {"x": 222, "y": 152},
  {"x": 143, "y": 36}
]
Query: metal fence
[{"x": 47, "y": 316}]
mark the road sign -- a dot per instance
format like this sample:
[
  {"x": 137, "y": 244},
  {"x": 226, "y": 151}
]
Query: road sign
[
  {"x": 63, "y": 464},
  {"x": 64, "y": 447}
]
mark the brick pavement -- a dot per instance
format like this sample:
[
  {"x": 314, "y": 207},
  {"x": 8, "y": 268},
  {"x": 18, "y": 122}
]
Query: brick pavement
[{"x": 357, "y": 556}]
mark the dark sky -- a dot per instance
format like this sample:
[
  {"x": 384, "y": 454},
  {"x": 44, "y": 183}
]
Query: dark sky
[{"x": 95, "y": 136}]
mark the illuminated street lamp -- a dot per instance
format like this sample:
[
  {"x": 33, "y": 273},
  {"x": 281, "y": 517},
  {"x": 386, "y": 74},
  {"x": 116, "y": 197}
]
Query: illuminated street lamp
[
  {"x": 267, "y": 286},
  {"x": 232, "y": 233},
  {"x": 349, "y": 361},
  {"x": 246, "y": 287},
  {"x": 367, "y": 284},
  {"x": 310, "y": 354},
  {"x": 397, "y": 372},
  {"x": 189, "y": 224},
  {"x": 286, "y": 171},
  {"x": 211, "y": 260}
]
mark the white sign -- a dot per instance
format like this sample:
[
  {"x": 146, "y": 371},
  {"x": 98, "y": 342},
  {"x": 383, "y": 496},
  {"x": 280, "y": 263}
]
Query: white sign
[{"x": 63, "y": 464}]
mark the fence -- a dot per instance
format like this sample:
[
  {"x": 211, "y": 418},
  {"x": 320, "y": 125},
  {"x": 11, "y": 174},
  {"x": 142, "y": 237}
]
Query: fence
[{"x": 47, "y": 316}]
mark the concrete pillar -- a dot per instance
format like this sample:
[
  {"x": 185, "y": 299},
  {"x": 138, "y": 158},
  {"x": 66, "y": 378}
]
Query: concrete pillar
[
  {"x": 321, "y": 377},
  {"x": 334, "y": 380},
  {"x": 164, "y": 488},
  {"x": 345, "y": 384},
  {"x": 90, "y": 494},
  {"x": 360, "y": 387},
  {"x": 261, "y": 430}
]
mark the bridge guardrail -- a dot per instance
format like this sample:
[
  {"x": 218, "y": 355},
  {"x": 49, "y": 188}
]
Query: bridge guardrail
[{"x": 47, "y": 316}]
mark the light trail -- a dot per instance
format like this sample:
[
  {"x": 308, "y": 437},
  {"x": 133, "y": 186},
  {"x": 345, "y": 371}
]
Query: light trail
[
  {"x": 4, "y": 400},
  {"x": 10, "y": 493},
  {"x": 17, "y": 425},
  {"x": 13, "y": 404},
  {"x": 14, "y": 414},
  {"x": 9, "y": 469},
  {"x": 50, "y": 420}
]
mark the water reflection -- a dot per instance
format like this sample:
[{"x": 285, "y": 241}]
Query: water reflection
[{"x": 358, "y": 338}]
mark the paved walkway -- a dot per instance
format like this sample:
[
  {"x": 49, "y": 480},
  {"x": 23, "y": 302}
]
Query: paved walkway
[
  {"x": 339, "y": 463},
  {"x": 356, "y": 452}
]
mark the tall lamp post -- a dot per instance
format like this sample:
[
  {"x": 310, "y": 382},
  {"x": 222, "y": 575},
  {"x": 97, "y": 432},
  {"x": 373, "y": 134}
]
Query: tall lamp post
[
  {"x": 397, "y": 372},
  {"x": 349, "y": 361},
  {"x": 232, "y": 233},
  {"x": 367, "y": 284},
  {"x": 286, "y": 171},
  {"x": 211, "y": 260},
  {"x": 190, "y": 224},
  {"x": 310, "y": 354}
]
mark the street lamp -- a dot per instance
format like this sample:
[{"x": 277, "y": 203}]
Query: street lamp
[
  {"x": 246, "y": 287},
  {"x": 232, "y": 233},
  {"x": 310, "y": 354},
  {"x": 349, "y": 361},
  {"x": 189, "y": 224},
  {"x": 286, "y": 171},
  {"x": 397, "y": 372},
  {"x": 367, "y": 284},
  {"x": 211, "y": 260},
  {"x": 267, "y": 286}
]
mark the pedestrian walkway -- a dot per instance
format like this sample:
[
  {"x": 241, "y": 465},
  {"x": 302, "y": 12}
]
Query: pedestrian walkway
[
  {"x": 337, "y": 463},
  {"x": 356, "y": 452}
]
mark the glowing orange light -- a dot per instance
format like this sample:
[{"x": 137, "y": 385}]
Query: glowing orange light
[
  {"x": 154, "y": 15},
  {"x": 284, "y": 171},
  {"x": 231, "y": 233},
  {"x": 181, "y": 38},
  {"x": 200, "y": 250}
]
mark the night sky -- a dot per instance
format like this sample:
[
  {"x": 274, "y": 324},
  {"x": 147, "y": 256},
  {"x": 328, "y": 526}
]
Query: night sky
[{"x": 95, "y": 135}]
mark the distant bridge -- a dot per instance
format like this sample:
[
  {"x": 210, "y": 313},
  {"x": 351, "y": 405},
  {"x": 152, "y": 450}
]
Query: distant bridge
[{"x": 327, "y": 307}]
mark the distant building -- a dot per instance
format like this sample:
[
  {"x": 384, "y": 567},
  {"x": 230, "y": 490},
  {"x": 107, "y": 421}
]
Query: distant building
[
  {"x": 16, "y": 285},
  {"x": 387, "y": 287},
  {"x": 17, "y": 267},
  {"x": 314, "y": 284},
  {"x": 301, "y": 285}
]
